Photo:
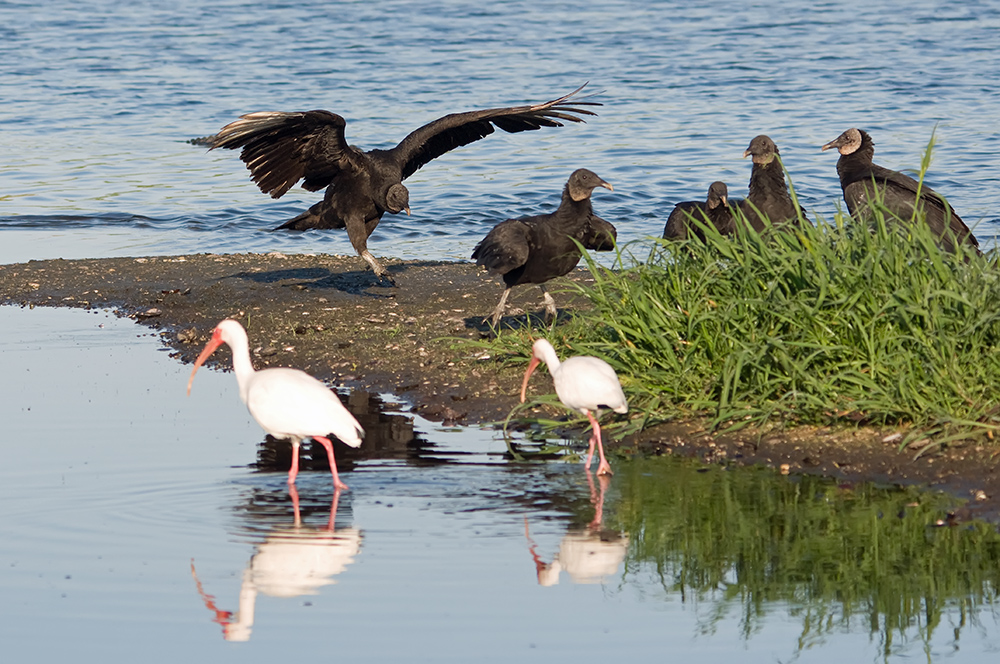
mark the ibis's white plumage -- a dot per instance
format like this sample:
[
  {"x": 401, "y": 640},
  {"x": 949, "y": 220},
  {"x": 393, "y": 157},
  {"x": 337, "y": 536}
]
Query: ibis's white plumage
[{"x": 286, "y": 403}]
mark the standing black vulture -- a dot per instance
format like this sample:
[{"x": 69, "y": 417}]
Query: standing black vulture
[
  {"x": 768, "y": 192},
  {"x": 281, "y": 148},
  {"x": 863, "y": 181},
  {"x": 532, "y": 250},
  {"x": 715, "y": 210}
]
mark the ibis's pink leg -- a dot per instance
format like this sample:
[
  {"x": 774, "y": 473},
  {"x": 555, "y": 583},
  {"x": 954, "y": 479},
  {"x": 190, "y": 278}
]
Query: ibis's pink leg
[
  {"x": 293, "y": 472},
  {"x": 337, "y": 484},
  {"x": 603, "y": 468},
  {"x": 293, "y": 492},
  {"x": 590, "y": 452}
]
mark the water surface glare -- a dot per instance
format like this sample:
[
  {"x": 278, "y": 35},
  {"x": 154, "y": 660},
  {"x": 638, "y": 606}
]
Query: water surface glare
[{"x": 136, "y": 527}]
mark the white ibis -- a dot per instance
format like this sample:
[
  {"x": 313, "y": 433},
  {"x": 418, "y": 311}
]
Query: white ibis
[
  {"x": 287, "y": 403},
  {"x": 582, "y": 383}
]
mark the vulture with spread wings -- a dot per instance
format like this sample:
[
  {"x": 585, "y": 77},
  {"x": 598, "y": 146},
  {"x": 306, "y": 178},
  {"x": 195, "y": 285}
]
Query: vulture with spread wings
[{"x": 281, "y": 148}]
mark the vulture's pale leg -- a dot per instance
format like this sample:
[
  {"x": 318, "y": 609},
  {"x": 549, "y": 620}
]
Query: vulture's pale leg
[
  {"x": 550, "y": 304},
  {"x": 498, "y": 312}
]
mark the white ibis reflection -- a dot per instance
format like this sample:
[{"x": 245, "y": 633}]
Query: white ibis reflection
[
  {"x": 292, "y": 561},
  {"x": 287, "y": 403},
  {"x": 583, "y": 383},
  {"x": 588, "y": 555}
]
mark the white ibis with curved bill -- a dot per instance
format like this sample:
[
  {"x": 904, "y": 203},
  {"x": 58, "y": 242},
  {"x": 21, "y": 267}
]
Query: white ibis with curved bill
[
  {"x": 583, "y": 383},
  {"x": 287, "y": 403}
]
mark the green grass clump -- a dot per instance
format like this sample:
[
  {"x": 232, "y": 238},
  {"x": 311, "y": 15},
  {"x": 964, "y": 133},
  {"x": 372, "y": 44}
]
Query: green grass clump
[{"x": 810, "y": 325}]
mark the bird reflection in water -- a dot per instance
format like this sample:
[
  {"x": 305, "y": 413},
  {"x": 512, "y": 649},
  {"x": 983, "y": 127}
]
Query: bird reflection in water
[
  {"x": 590, "y": 554},
  {"x": 292, "y": 561}
]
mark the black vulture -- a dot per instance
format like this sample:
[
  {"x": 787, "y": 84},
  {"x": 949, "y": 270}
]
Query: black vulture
[
  {"x": 532, "y": 250},
  {"x": 863, "y": 181},
  {"x": 282, "y": 148},
  {"x": 715, "y": 210},
  {"x": 768, "y": 193}
]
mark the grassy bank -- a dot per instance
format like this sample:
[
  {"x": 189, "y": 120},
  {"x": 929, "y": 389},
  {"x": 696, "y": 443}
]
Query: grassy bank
[{"x": 823, "y": 324}]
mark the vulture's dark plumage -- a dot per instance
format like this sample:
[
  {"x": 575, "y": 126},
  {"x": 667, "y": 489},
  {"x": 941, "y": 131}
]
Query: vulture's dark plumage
[
  {"x": 861, "y": 179},
  {"x": 715, "y": 210},
  {"x": 533, "y": 250},
  {"x": 282, "y": 148},
  {"x": 768, "y": 192}
]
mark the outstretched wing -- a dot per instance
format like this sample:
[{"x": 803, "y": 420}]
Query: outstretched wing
[
  {"x": 504, "y": 248},
  {"x": 458, "y": 129},
  {"x": 281, "y": 148}
]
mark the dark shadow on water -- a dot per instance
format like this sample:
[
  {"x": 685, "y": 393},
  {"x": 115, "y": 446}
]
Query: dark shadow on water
[
  {"x": 388, "y": 435},
  {"x": 76, "y": 221},
  {"x": 222, "y": 220},
  {"x": 267, "y": 508}
]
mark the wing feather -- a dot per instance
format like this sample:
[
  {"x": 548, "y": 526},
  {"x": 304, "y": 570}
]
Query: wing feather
[
  {"x": 504, "y": 248},
  {"x": 600, "y": 235},
  {"x": 458, "y": 129},
  {"x": 282, "y": 148}
]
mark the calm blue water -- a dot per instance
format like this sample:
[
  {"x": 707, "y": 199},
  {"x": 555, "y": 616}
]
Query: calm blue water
[
  {"x": 114, "y": 481},
  {"x": 99, "y": 99}
]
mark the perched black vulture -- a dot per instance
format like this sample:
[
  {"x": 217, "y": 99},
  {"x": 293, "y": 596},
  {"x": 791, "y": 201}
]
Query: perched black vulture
[
  {"x": 768, "y": 192},
  {"x": 532, "y": 250},
  {"x": 715, "y": 210},
  {"x": 281, "y": 148},
  {"x": 860, "y": 179}
]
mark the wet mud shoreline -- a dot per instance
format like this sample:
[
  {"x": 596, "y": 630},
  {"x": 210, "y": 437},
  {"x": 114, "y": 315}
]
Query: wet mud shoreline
[{"x": 328, "y": 315}]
